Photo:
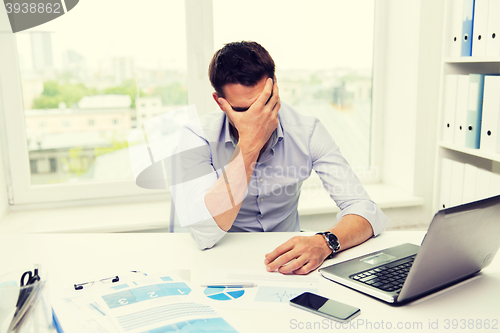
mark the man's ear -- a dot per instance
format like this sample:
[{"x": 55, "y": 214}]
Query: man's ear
[{"x": 216, "y": 99}]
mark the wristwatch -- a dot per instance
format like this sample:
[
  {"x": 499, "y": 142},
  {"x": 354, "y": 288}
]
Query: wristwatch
[{"x": 332, "y": 241}]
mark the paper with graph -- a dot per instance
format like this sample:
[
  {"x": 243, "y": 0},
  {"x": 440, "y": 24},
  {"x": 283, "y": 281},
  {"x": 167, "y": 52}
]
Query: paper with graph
[
  {"x": 159, "y": 304},
  {"x": 272, "y": 291}
]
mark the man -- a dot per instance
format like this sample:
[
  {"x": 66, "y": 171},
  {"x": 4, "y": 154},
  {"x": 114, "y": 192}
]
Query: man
[{"x": 252, "y": 158}]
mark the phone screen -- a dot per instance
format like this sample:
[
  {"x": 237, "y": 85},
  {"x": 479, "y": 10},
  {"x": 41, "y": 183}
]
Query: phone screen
[{"x": 325, "y": 307}]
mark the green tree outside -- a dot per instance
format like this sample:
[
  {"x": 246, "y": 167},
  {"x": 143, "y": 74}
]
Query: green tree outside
[{"x": 55, "y": 92}]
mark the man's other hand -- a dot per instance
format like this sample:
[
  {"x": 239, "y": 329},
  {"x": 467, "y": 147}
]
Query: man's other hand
[{"x": 299, "y": 255}]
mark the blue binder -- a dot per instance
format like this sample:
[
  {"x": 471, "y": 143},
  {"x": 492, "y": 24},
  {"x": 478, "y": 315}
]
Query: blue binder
[
  {"x": 467, "y": 26},
  {"x": 474, "y": 110}
]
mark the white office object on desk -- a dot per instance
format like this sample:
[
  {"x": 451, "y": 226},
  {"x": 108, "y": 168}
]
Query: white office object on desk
[
  {"x": 490, "y": 139},
  {"x": 457, "y": 183},
  {"x": 469, "y": 189},
  {"x": 455, "y": 37},
  {"x": 445, "y": 189},
  {"x": 482, "y": 184},
  {"x": 480, "y": 28},
  {"x": 450, "y": 106},
  {"x": 461, "y": 110},
  {"x": 493, "y": 31},
  {"x": 474, "y": 111}
]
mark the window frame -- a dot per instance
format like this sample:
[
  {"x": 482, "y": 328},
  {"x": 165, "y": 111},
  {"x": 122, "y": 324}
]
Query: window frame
[{"x": 200, "y": 47}]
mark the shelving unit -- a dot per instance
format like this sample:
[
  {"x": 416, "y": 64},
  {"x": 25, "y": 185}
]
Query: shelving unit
[
  {"x": 469, "y": 151},
  {"x": 460, "y": 65}
]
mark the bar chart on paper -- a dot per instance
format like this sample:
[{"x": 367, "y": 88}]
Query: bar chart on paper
[{"x": 223, "y": 293}]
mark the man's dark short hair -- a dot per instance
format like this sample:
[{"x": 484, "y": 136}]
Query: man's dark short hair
[{"x": 243, "y": 62}]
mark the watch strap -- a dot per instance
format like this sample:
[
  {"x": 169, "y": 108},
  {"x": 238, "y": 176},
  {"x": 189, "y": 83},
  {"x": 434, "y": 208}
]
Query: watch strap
[{"x": 332, "y": 241}]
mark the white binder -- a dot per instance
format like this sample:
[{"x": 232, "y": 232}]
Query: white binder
[
  {"x": 445, "y": 189},
  {"x": 455, "y": 37},
  {"x": 490, "y": 126},
  {"x": 493, "y": 31},
  {"x": 461, "y": 110},
  {"x": 469, "y": 191},
  {"x": 494, "y": 184},
  {"x": 480, "y": 28},
  {"x": 450, "y": 105},
  {"x": 482, "y": 184},
  {"x": 457, "y": 183}
]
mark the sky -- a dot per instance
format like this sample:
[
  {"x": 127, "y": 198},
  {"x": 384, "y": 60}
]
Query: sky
[{"x": 314, "y": 34}]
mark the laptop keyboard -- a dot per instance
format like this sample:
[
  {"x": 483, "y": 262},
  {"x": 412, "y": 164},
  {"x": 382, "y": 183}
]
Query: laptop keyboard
[{"x": 386, "y": 278}]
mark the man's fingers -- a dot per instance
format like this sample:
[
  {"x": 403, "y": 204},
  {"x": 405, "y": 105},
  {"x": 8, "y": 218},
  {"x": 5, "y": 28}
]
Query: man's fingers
[
  {"x": 293, "y": 265},
  {"x": 275, "y": 101},
  {"x": 282, "y": 260},
  {"x": 280, "y": 256},
  {"x": 264, "y": 96},
  {"x": 285, "y": 247},
  {"x": 308, "y": 267},
  {"x": 225, "y": 105},
  {"x": 277, "y": 106}
]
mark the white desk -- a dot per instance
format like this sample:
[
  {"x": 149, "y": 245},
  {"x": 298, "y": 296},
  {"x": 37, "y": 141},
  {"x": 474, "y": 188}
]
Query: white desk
[{"x": 70, "y": 257}]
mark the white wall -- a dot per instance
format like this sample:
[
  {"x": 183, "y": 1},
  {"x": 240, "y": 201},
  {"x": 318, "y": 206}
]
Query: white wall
[{"x": 411, "y": 101}]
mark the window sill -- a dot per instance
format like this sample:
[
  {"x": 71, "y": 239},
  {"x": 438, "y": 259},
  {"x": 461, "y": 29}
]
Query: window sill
[
  {"x": 385, "y": 196},
  {"x": 149, "y": 216},
  {"x": 128, "y": 217}
]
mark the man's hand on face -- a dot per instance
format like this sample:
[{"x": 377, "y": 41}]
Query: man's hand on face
[
  {"x": 256, "y": 125},
  {"x": 299, "y": 255}
]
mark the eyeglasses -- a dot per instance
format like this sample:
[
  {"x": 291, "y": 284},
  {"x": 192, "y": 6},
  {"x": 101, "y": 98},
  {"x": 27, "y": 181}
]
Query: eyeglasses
[{"x": 111, "y": 279}]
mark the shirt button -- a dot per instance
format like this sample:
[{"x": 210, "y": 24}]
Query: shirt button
[
  {"x": 261, "y": 180},
  {"x": 260, "y": 216},
  {"x": 261, "y": 199}
]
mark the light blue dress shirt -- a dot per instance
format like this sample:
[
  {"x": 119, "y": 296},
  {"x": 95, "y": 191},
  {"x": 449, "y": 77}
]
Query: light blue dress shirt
[{"x": 299, "y": 145}]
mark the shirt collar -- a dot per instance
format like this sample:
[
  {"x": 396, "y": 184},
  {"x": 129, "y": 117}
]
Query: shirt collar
[{"x": 228, "y": 136}]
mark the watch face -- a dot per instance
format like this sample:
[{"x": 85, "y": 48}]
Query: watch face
[{"x": 332, "y": 239}]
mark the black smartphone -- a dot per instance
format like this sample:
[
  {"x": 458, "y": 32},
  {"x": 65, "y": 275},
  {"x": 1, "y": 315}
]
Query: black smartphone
[{"x": 325, "y": 307}]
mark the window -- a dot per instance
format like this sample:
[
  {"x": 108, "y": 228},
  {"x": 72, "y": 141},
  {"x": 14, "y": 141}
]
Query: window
[
  {"x": 101, "y": 69},
  {"x": 68, "y": 70},
  {"x": 33, "y": 166},
  {"x": 53, "y": 164},
  {"x": 323, "y": 53},
  {"x": 82, "y": 82}
]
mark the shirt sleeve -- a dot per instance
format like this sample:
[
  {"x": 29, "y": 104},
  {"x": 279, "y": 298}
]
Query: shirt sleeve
[
  {"x": 194, "y": 175},
  {"x": 340, "y": 181}
]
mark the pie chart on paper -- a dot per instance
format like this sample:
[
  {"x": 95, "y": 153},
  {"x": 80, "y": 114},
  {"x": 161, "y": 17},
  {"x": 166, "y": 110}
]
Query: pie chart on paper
[{"x": 223, "y": 293}]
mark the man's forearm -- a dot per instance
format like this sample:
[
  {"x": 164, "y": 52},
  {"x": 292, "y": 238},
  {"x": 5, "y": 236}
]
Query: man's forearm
[
  {"x": 352, "y": 230},
  {"x": 224, "y": 198}
]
